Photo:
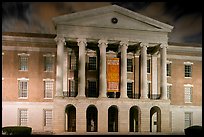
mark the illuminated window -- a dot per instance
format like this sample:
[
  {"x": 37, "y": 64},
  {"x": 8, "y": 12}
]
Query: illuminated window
[
  {"x": 92, "y": 63},
  {"x": 169, "y": 91},
  {"x": 72, "y": 88},
  {"x": 48, "y": 118},
  {"x": 188, "y": 94},
  {"x": 129, "y": 65},
  {"x": 48, "y": 88},
  {"x": 23, "y": 88},
  {"x": 73, "y": 63},
  {"x": 188, "y": 119},
  {"x": 23, "y": 117}
]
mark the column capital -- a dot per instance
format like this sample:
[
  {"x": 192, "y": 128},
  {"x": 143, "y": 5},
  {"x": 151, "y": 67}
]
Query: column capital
[
  {"x": 81, "y": 42},
  {"x": 144, "y": 44},
  {"x": 124, "y": 43},
  {"x": 163, "y": 45},
  {"x": 60, "y": 40},
  {"x": 102, "y": 43}
]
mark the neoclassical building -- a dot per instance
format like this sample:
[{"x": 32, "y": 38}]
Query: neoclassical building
[{"x": 106, "y": 71}]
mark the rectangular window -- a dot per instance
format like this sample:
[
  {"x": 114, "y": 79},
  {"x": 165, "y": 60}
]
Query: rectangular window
[
  {"x": 130, "y": 89},
  {"x": 188, "y": 119},
  {"x": 148, "y": 65},
  {"x": 23, "y": 117},
  {"x": 92, "y": 89},
  {"x": 168, "y": 67},
  {"x": 92, "y": 63},
  {"x": 129, "y": 65},
  {"x": 188, "y": 94},
  {"x": 48, "y": 88},
  {"x": 73, "y": 63},
  {"x": 188, "y": 70},
  {"x": 169, "y": 91},
  {"x": 48, "y": 118},
  {"x": 23, "y": 62},
  {"x": 149, "y": 87},
  {"x": 48, "y": 63},
  {"x": 72, "y": 92},
  {"x": 23, "y": 88}
]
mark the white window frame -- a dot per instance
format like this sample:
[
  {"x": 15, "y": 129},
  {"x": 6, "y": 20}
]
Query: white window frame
[
  {"x": 169, "y": 93},
  {"x": 22, "y": 80},
  {"x": 44, "y": 82},
  {"x": 190, "y": 119},
  {"x": 23, "y": 55},
  {"x": 52, "y": 59},
  {"x": 191, "y": 93},
  {"x": 45, "y": 118},
  {"x": 19, "y": 116},
  {"x": 189, "y": 64}
]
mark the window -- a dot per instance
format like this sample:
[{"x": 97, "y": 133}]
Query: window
[
  {"x": 188, "y": 70},
  {"x": 48, "y": 63},
  {"x": 92, "y": 89},
  {"x": 188, "y": 119},
  {"x": 169, "y": 91},
  {"x": 48, "y": 118},
  {"x": 23, "y": 62},
  {"x": 188, "y": 94},
  {"x": 72, "y": 92},
  {"x": 73, "y": 63},
  {"x": 149, "y": 87},
  {"x": 130, "y": 89},
  {"x": 23, "y": 117},
  {"x": 23, "y": 88},
  {"x": 48, "y": 88},
  {"x": 92, "y": 63},
  {"x": 148, "y": 65},
  {"x": 129, "y": 65},
  {"x": 168, "y": 67}
]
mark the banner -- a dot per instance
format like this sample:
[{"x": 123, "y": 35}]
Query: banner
[{"x": 112, "y": 75}]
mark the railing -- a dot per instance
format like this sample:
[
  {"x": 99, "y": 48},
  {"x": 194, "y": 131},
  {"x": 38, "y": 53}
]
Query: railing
[
  {"x": 134, "y": 95},
  {"x": 69, "y": 94},
  {"x": 154, "y": 96}
]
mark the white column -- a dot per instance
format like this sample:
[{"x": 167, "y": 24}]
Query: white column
[
  {"x": 82, "y": 61},
  {"x": 123, "y": 80},
  {"x": 163, "y": 84},
  {"x": 102, "y": 44},
  {"x": 60, "y": 61},
  {"x": 154, "y": 74},
  {"x": 65, "y": 71},
  {"x": 144, "y": 89}
]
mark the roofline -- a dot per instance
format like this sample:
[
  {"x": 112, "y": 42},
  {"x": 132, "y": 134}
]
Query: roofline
[
  {"x": 185, "y": 44},
  {"x": 25, "y": 34}
]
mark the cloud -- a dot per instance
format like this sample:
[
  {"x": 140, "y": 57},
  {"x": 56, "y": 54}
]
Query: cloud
[{"x": 37, "y": 17}]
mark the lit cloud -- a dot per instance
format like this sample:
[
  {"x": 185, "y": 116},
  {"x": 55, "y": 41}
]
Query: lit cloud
[{"x": 37, "y": 17}]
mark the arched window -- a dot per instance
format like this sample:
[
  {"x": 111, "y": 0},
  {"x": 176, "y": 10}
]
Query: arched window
[
  {"x": 113, "y": 119},
  {"x": 92, "y": 119},
  {"x": 70, "y": 118},
  {"x": 134, "y": 116},
  {"x": 155, "y": 119}
]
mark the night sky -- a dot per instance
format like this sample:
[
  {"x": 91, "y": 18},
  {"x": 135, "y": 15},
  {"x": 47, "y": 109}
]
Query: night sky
[{"x": 36, "y": 17}]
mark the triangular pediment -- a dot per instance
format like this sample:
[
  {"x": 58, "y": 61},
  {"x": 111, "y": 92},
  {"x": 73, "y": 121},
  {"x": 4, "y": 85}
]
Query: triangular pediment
[{"x": 102, "y": 18}]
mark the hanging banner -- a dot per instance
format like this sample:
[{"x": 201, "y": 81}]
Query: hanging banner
[{"x": 112, "y": 75}]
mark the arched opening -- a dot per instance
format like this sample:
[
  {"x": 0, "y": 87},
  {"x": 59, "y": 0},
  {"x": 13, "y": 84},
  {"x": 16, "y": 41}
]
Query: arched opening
[
  {"x": 113, "y": 119},
  {"x": 91, "y": 119},
  {"x": 134, "y": 117},
  {"x": 155, "y": 119},
  {"x": 70, "y": 118}
]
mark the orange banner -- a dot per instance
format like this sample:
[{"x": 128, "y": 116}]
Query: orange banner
[{"x": 112, "y": 75}]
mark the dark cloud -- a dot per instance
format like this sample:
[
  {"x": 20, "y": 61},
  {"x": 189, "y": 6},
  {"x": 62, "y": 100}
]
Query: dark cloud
[{"x": 37, "y": 16}]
